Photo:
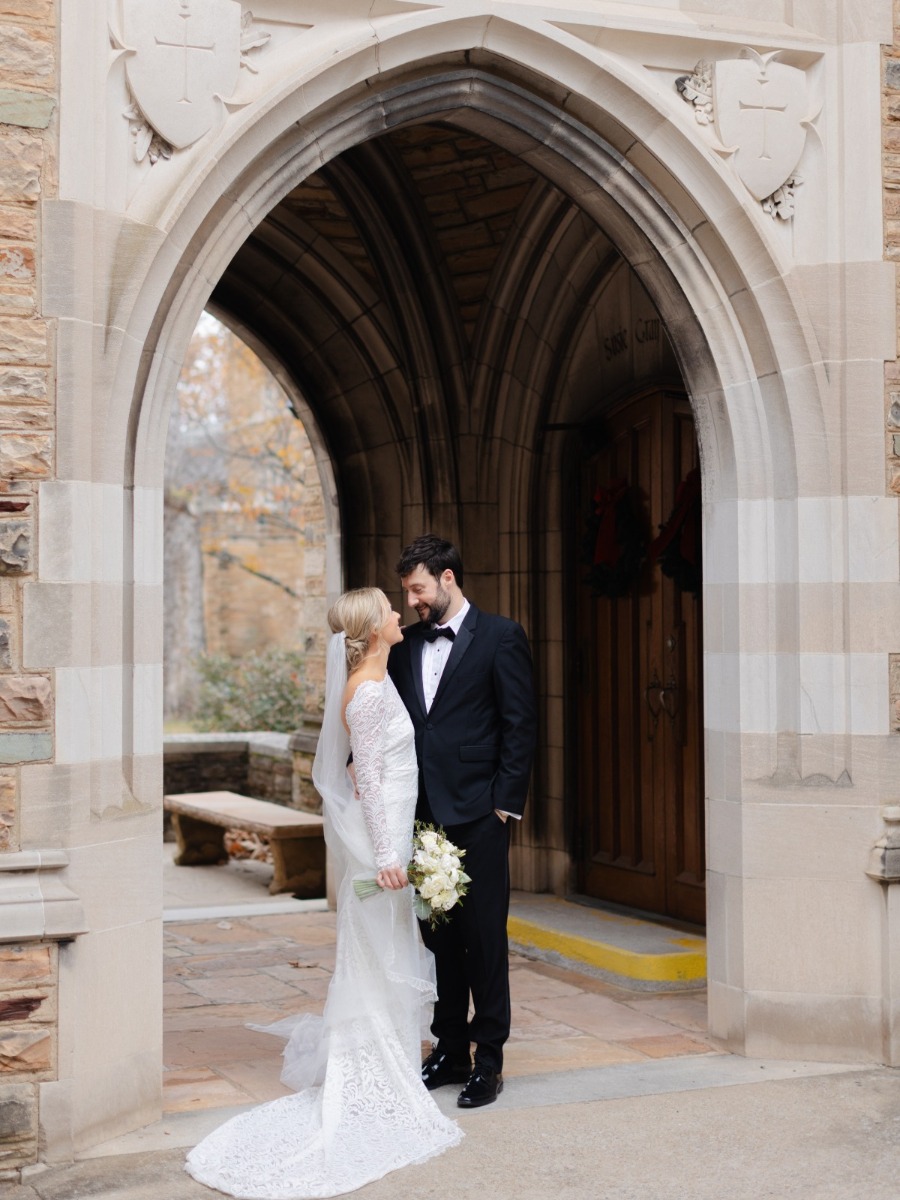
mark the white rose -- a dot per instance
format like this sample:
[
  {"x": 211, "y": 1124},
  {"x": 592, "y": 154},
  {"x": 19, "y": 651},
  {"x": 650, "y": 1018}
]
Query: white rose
[
  {"x": 446, "y": 900},
  {"x": 429, "y": 840},
  {"x": 430, "y": 887},
  {"x": 443, "y": 883}
]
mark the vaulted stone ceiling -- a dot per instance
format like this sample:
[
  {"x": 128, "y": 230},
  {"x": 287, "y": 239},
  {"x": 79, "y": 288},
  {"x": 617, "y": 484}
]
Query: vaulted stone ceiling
[
  {"x": 467, "y": 191},
  {"x": 429, "y": 211},
  {"x": 472, "y": 192},
  {"x": 429, "y": 293}
]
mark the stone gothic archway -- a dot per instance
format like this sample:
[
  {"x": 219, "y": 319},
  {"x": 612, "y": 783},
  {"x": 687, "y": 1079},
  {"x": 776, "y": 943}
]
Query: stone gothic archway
[{"x": 738, "y": 318}]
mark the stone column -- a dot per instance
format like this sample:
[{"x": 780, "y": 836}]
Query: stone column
[
  {"x": 302, "y": 745},
  {"x": 884, "y": 868}
]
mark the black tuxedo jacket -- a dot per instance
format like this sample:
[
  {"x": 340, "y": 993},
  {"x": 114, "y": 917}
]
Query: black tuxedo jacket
[{"x": 476, "y": 744}]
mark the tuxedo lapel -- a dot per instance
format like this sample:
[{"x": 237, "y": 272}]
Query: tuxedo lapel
[{"x": 461, "y": 644}]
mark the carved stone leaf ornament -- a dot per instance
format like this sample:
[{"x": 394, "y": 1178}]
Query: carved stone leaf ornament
[
  {"x": 252, "y": 40},
  {"x": 782, "y": 203},
  {"x": 696, "y": 89},
  {"x": 147, "y": 143},
  {"x": 185, "y": 57},
  {"x": 762, "y": 113}
]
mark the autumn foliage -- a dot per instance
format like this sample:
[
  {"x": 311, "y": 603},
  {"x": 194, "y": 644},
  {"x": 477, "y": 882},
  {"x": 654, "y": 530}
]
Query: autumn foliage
[{"x": 245, "y": 530}]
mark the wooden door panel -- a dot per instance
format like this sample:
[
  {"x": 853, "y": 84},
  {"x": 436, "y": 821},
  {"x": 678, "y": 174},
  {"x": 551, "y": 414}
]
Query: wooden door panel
[
  {"x": 621, "y": 848},
  {"x": 640, "y": 748}
]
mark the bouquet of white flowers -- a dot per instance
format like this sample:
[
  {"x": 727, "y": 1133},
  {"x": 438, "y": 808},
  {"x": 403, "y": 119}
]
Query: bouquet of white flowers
[{"x": 435, "y": 871}]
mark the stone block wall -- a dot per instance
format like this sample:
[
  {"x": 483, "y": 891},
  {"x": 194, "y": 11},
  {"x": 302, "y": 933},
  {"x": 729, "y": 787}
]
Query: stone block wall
[
  {"x": 205, "y": 763},
  {"x": 28, "y": 1013},
  {"x": 28, "y": 131},
  {"x": 303, "y": 746},
  {"x": 891, "y": 144},
  {"x": 243, "y": 612},
  {"x": 27, "y": 158},
  {"x": 254, "y": 764},
  {"x": 270, "y": 768}
]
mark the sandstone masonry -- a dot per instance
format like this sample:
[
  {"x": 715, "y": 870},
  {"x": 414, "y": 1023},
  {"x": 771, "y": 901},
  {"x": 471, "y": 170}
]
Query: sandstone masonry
[{"x": 28, "y": 133}]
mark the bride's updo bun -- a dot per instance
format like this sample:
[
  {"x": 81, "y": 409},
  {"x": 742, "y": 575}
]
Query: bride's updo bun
[{"x": 358, "y": 614}]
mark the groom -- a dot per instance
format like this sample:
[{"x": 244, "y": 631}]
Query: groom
[{"x": 466, "y": 680}]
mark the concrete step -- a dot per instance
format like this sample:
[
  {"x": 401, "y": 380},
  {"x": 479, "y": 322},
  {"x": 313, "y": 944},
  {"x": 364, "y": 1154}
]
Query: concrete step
[{"x": 623, "y": 949}]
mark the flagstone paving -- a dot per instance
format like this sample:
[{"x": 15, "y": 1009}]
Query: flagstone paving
[
  {"x": 612, "y": 1093},
  {"x": 223, "y": 973}
]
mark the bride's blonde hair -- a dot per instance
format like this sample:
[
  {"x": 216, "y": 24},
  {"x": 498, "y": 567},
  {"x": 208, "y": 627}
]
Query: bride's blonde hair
[{"x": 358, "y": 614}]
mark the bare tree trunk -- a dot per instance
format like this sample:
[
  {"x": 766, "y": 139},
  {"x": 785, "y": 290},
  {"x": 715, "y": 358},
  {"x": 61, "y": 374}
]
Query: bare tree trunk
[{"x": 184, "y": 635}]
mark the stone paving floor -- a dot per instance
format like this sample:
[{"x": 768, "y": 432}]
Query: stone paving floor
[
  {"x": 614, "y": 1094},
  {"x": 223, "y": 973}
]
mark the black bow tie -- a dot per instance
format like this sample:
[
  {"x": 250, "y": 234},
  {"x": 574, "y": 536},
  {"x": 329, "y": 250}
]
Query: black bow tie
[{"x": 432, "y": 635}]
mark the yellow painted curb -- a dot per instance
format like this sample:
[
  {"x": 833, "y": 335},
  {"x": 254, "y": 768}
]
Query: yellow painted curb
[{"x": 679, "y": 966}]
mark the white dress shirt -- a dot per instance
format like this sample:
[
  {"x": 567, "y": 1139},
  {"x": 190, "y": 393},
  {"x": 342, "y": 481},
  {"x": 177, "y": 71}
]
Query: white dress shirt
[{"x": 436, "y": 653}]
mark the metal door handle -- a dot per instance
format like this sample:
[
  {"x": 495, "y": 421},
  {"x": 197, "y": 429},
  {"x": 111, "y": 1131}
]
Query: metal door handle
[
  {"x": 654, "y": 686},
  {"x": 668, "y": 698}
]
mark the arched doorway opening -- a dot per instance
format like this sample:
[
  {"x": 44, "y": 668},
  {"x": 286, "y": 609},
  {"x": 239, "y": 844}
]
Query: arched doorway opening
[
  {"x": 426, "y": 442},
  {"x": 419, "y": 287},
  {"x": 421, "y": 433}
]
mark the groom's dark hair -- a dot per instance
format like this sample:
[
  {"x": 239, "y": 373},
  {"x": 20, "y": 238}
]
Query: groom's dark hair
[{"x": 435, "y": 554}]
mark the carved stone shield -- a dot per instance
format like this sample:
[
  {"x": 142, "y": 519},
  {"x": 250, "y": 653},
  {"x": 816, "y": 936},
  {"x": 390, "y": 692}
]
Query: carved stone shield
[
  {"x": 760, "y": 108},
  {"x": 185, "y": 55}
]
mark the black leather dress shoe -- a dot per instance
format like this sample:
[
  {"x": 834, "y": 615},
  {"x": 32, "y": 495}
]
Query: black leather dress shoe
[
  {"x": 439, "y": 1069},
  {"x": 484, "y": 1086}
]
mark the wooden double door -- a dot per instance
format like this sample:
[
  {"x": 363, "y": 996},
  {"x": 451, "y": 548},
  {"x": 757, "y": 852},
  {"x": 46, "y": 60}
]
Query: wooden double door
[{"x": 638, "y": 664}]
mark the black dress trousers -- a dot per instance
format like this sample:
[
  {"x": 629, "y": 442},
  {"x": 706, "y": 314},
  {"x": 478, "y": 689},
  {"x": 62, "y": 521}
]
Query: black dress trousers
[{"x": 471, "y": 948}]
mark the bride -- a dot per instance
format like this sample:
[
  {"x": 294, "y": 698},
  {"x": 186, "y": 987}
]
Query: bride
[{"x": 359, "y": 1108}]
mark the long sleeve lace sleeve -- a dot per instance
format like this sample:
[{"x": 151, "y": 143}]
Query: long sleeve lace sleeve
[{"x": 367, "y": 718}]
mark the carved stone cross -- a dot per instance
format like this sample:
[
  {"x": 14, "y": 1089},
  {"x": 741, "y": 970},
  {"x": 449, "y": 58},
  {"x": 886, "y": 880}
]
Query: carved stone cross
[
  {"x": 185, "y": 16},
  {"x": 761, "y": 115},
  {"x": 202, "y": 38},
  {"x": 765, "y": 109}
]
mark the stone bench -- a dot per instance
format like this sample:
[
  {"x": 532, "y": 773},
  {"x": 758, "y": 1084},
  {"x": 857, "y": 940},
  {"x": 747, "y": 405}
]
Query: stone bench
[{"x": 296, "y": 838}]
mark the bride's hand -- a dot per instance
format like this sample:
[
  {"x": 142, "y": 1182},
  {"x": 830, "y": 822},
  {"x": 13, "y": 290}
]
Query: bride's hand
[{"x": 392, "y": 878}]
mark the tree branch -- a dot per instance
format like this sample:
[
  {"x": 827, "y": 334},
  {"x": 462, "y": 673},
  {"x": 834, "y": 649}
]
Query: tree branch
[{"x": 227, "y": 559}]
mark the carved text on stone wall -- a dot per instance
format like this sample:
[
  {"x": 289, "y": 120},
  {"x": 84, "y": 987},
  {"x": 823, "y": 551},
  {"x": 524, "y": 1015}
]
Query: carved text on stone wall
[{"x": 615, "y": 344}]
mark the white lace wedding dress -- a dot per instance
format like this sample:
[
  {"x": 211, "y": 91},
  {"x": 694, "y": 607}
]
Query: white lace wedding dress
[{"x": 360, "y": 1109}]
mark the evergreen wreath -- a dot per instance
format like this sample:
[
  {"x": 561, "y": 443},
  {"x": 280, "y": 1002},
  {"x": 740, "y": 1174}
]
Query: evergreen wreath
[
  {"x": 615, "y": 545},
  {"x": 678, "y": 548}
]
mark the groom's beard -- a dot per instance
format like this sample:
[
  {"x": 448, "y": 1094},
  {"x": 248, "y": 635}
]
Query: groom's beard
[{"x": 435, "y": 612}]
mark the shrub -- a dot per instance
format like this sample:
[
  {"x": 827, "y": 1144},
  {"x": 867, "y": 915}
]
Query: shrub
[{"x": 265, "y": 691}]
